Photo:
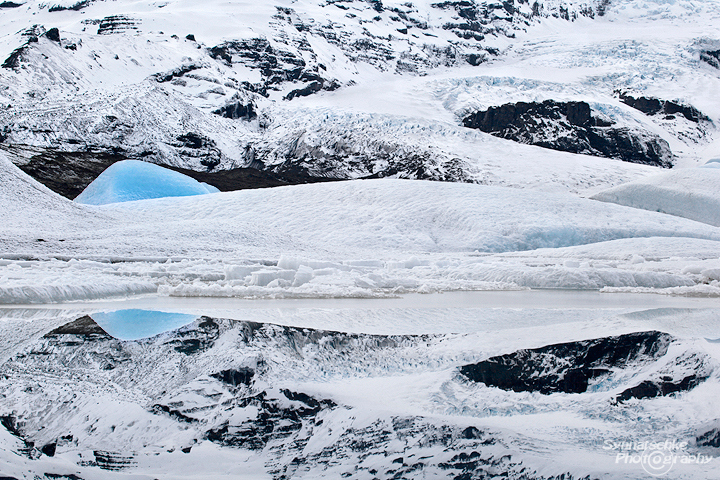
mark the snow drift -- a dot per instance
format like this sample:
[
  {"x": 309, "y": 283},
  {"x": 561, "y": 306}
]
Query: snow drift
[{"x": 692, "y": 193}]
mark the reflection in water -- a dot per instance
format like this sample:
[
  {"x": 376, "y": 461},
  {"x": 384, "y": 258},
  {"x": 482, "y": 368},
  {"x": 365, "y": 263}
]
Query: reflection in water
[{"x": 134, "y": 324}]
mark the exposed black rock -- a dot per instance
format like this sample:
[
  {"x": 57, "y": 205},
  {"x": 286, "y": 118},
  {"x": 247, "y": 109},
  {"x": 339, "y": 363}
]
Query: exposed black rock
[
  {"x": 53, "y": 34},
  {"x": 69, "y": 173},
  {"x": 13, "y": 60},
  {"x": 83, "y": 326},
  {"x": 194, "y": 340},
  {"x": 237, "y": 110},
  {"x": 276, "y": 66},
  {"x": 59, "y": 476},
  {"x": 274, "y": 420},
  {"x": 566, "y": 367},
  {"x": 249, "y": 178},
  {"x": 313, "y": 87},
  {"x": 174, "y": 413},
  {"x": 190, "y": 37},
  {"x": 116, "y": 24},
  {"x": 77, "y": 6},
  {"x": 570, "y": 127},
  {"x": 241, "y": 376},
  {"x": 661, "y": 388},
  {"x": 176, "y": 73},
  {"x": 10, "y": 423},
  {"x": 199, "y": 146},
  {"x": 10, "y": 5},
  {"x": 655, "y": 106},
  {"x": 49, "y": 449},
  {"x": 711, "y": 57},
  {"x": 112, "y": 461},
  {"x": 66, "y": 173},
  {"x": 710, "y": 438}
]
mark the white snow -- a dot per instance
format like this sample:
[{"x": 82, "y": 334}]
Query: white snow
[
  {"x": 328, "y": 255},
  {"x": 374, "y": 238},
  {"x": 692, "y": 193}
]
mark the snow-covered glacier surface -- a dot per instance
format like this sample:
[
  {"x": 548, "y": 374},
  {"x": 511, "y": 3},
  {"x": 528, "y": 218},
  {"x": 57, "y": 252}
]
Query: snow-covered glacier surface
[{"x": 511, "y": 300}]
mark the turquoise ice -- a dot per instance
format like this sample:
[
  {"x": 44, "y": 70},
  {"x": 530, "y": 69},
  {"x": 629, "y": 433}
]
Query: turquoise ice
[
  {"x": 130, "y": 180},
  {"x": 134, "y": 324}
]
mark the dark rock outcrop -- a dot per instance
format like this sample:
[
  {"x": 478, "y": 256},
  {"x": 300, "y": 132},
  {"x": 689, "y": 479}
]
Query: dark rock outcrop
[
  {"x": 83, "y": 326},
  {"x": 656, "y": 106},
  {"x": 570, "y": 127},
  {"x": 711, "y": 57},
  {"x": 10, "y": 5},
  {"x": 53, "y": 34},
  {"x": 309, "y": 89},
  {"x": 76, "y": 7},
  {"x": 176, "y": 73},
  {"x": 66, "y": 173},
  {"x": 116, "y": 24},
  {"x": 661, "y": 388},
  {"x": 237, "y": 110},
  {"x": 69, "y": 173},
  {"x": 275, "y": 420},
  {"x": 235, "y": 377},
  {"x": 195, "y": 145},
  {"x": 711, "y": 438},
  {"x": 13, "y": 60},
  {"x": 566, "y": 367},
  {"x": 49, "y": 449}
]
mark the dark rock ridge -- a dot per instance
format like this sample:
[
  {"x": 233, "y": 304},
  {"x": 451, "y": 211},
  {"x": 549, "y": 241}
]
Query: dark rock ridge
[
  {"x": 567, "y": 367},
  {"x": 711, "y": 57},
  {"x": 117, "y": 24},
  {"x": 69, "y": 173},
  {"x": 83, "y": 326},
  {"x": 237, "y": 110},
  {"x": 655, "y": 106},
  {"x": 53, "y": 34},
  {"x": 711, "y": 438},
  {"x": 12, "y": 425},
  {"x": 660, "y": 388},
  {"x": 235, "y": 377},
  {"x": 66, "y": 173},
  {"x": 76, "y": 7},
  {"x": 176, "y": 73},
  {"x": 570, "y": 127},
  {"x": 10, "y": 5},
  {"x": 196, "y": 145}
]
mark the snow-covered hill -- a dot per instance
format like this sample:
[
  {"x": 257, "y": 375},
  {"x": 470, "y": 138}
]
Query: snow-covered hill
[{"x": 353, "y": 89}]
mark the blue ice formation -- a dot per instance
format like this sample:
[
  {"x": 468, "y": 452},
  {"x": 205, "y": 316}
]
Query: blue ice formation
[
  {"x": 134, "y": 324},
  {"x": 130, "y": 180}
]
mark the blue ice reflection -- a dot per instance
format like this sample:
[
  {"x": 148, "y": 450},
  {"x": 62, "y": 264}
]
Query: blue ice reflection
[{"x": 135, "y": 324}]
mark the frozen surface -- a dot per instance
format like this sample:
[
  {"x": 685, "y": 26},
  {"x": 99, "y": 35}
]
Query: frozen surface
[
  {"x": 130, "y": 180},
  {"x": 375, "y": 238},
  {"x": 133, "y": 324},
  {"x": 392, "y": 403},
  {"x": 692, "y": 193}
]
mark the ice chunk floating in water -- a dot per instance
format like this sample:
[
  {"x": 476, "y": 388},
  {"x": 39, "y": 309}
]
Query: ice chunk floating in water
[
  {"x": 134, "y": 324},
  {"x": 130, "y": 180}
]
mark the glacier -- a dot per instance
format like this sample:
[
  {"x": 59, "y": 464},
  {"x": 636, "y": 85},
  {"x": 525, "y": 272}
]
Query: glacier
[
  {"x": 367, "y": 251},
  {"x": 692, "y": 193}
]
